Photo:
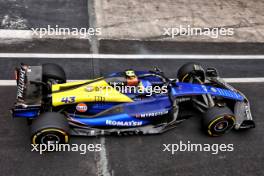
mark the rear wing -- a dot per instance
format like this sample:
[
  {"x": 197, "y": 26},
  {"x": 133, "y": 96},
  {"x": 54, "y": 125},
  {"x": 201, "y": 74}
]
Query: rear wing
[{"x": 29, "y": 92}]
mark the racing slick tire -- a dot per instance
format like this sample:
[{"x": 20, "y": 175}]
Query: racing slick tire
[
  {"x": 218, "y": 120},
  {"x": 50, "y": 127},
  {"x": 53, "y": 72},
  {"x": 192, "y": 71}
]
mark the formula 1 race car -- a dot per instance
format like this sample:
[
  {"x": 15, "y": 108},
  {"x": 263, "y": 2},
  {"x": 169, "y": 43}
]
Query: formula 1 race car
[{"x": 128, "y": 102}]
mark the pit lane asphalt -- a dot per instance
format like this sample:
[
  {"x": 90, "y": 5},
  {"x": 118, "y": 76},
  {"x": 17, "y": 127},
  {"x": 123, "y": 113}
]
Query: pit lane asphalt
[
  {"x": 170, "y": 47},
  {"x": 137, "y": 155},
  {"x": 83, "y": 68},
  {"x": 28, "y": 14},
  {"x": 129, "y": 47}
]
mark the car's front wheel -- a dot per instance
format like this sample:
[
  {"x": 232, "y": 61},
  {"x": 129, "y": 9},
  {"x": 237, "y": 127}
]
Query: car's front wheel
[
  {"x": 191, "y": 73},
  {"x": 218, "y": 120}
]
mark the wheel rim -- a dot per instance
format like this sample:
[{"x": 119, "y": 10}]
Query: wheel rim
[
  {"x": 221, "y": 126},
  {"x": 50, "y": 136},
  {"x": 50, "y": 139}
]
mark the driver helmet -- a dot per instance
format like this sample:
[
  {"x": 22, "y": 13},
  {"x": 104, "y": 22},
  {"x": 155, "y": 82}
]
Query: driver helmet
[
  {"x": 132, "y": 79},
  {"x": 130, "y": 73}
]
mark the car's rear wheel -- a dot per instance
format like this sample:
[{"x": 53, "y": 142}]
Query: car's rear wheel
[
  {"x": 191, "y": 72},
  {"x": 50, "y": 128},
  {"x": 53, "y": 72},
  {"x": 218, "y": 121}
]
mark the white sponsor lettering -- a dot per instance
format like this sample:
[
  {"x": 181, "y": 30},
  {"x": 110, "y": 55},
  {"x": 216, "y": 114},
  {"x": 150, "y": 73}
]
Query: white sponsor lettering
[
  {"x": 152, "y": 114},
  {"x": 21, "y": 83},
  {"x": 122, "y": 123}
]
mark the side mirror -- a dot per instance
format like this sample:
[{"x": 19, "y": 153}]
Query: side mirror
[
  {"x": 211, "y": 72},
  {"x": 156, "y": 69}
]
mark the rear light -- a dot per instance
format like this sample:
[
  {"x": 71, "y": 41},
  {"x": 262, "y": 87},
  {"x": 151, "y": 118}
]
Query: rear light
[{"x": 16, "y": 74}]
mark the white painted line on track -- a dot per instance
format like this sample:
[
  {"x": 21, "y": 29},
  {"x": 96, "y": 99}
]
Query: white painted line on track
[
  {"x": 7, "y": 83},
  {"x": 16, "y": 34},
  {"x": 244, "y": 80},
  {"x": 228, "y": 80},
  {"x": 29, "y": 35},
  {"x": 103, "y": 161},
  {"x": 129, "y": 56},
  {"x": 102, "y": 164}
]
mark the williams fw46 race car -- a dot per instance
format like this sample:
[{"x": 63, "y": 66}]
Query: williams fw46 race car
[{"x": 129, "y": 102}]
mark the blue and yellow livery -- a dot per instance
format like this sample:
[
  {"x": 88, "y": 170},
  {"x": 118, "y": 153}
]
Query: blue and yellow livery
[{"x": 128, "y": 102}]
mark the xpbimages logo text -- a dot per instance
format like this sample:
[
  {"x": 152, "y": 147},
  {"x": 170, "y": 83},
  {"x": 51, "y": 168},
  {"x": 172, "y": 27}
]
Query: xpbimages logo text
[
  {"x": 192, "y": 147},
  {"x": 63, "y": 31},
  {"x": 56, "y": 147},
  {"x": 140, "y": 89},
  {"x": 189, "y": 30}
]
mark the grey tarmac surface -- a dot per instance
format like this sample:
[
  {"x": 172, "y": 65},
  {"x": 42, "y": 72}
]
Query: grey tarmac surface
[
  {"x": 17, "y": 158},
  {"x": 138, "y": 155},
  {"x": 169, "y": 47},
  {"x": 26, "y": 14},
  {"x": 128, "y": 47},
  {"x": 46, "y": 46},
  {"x": 84, "y": 69},
  {"x": 146, "y": 20}
]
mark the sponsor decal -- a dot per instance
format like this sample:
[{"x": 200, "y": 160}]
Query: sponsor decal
[
  {"x": 151, "y": 114},
  {"x": 213, "y": 89},
  {"x": 122, "y": 123},
  {"x": 21, "y": 83},
  {"x": 89, "y": 88},
  {"x": 204, "y": 88},
  {"x": 81, "y": 107},
  {"x": 99, "y": 99},
  {"x": 68, "y": 100},
  {"x": 183, "y": 100}
]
